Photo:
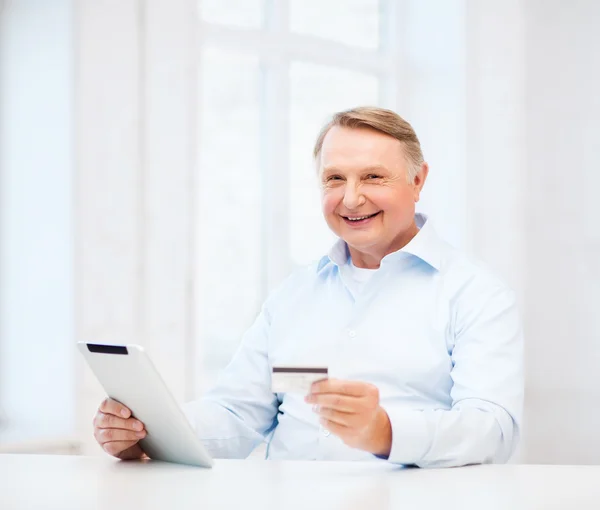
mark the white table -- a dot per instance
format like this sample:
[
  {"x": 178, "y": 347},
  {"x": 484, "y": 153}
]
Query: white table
[{"x": 82, "y": 483}]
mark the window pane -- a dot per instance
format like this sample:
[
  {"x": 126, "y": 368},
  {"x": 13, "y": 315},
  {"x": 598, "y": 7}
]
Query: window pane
[
  {"x": 237, "y": 13},
  {"x": 353, "y": 22},
  {"x": 229, "y": 231},
  {"x": 316, "y": 93}
]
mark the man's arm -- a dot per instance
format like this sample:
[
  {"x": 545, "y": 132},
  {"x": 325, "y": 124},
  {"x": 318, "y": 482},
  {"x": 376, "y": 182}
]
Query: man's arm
[
  {"x": 483, "y": 424},
  {"x": 487, "y": 396},
  {"x": 237, "y": 414}
]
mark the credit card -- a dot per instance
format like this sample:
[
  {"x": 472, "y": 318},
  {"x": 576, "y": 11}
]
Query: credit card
[{"x": 293, "y": 379}]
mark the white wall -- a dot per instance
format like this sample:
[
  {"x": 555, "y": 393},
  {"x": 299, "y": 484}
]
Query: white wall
[
  {"x": 109, "y": 234},
  {"x": 533, "y": 120},
  {"x": 562, "y": 229},
  {"x": 433, "y": 98},
  {"x": 37, "y": 383},
  {"x": 495, "y": 141},
  {"x": 136, "y": 116}
]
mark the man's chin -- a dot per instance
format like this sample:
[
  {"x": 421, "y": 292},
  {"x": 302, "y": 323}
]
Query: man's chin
[{"x": 359, "y": 240}]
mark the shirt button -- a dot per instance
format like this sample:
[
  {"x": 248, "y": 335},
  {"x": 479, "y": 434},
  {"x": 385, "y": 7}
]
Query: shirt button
[
  {"x": 326, "y": 432},
  {"x": 351, "y": 333}
]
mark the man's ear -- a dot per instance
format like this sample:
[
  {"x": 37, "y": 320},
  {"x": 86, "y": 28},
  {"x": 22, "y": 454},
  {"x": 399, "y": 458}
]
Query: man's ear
[{"x": 419, "y": 181}]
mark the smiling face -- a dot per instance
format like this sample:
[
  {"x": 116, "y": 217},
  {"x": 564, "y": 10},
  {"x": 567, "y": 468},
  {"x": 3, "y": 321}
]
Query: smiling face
[{"x": 367, "y": 199}]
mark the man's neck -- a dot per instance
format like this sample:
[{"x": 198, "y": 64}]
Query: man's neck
[{"x": 371, "y": 259}]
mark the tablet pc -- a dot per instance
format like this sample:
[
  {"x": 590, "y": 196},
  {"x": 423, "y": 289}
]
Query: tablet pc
[{"x": 128, "y": 375}]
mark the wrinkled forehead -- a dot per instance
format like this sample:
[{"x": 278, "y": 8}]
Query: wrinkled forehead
[{"x": 353, "y": 149}]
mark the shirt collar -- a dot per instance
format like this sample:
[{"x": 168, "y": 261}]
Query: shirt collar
[{"x": 426, "y": 245}]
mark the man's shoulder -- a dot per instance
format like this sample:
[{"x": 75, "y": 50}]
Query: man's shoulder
[{"x": 467, "y": 273}]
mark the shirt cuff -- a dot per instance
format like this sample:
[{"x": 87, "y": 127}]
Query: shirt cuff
[{"x": 411, "y": 438}]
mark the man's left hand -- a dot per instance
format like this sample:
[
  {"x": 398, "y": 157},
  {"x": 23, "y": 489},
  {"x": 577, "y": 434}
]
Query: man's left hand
[{"x": 351, "y": 411}]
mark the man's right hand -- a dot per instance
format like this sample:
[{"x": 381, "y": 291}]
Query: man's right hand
[{"x": 117, "y": 432}]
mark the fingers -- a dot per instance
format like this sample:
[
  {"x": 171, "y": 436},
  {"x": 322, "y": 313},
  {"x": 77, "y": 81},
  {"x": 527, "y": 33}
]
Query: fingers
[
  {"x": 349, "y": 410},
  {"x": 133, "y": 452},
  {"x": 117, "y": 431},
  {"x": 328, "y": 416},
  {"x": 338, "y": 402},
  {"x": 110, "y": 406},
  {"x": 351, "y": 388},
  {"x": 344, "y": 396},
  {"x": 336, "y": 429},
  {"x": 104, "y": 436},
  {"x": 123, "y": 449},
  {"x": 110, "y": 421}
]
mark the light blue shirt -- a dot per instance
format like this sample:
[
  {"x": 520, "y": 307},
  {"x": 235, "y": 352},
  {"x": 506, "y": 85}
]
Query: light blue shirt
[{"x": 436, "y": 332}]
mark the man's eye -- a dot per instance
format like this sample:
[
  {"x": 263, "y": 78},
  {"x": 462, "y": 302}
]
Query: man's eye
[
  {"x": 373, "y": 176},
  {"x": 333, "y": 178}
]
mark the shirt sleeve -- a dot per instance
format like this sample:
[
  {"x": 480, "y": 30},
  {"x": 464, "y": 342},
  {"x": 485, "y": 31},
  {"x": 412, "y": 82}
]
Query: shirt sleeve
[
  {"x": 240, "y": 411},
  {"x": 482, "y": 425}
]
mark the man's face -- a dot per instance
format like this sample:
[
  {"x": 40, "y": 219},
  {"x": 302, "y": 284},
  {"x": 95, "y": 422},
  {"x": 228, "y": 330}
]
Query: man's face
[{"x": 366, "y": 197}]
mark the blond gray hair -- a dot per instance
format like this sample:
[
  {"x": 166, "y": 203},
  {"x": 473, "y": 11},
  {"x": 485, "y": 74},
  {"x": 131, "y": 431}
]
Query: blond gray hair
[{"x": 384, "y": 121}]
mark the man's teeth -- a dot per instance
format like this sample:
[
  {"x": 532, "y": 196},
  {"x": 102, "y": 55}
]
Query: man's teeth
[{"x": 361, "y": 218}]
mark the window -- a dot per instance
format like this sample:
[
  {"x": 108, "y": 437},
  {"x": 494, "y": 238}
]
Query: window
[
  {"x": 36, "y": 222},
  {"x": 229, "y": 199},
  {"x": 352, "y": 22},
  {"x": 271, "y": 72}
]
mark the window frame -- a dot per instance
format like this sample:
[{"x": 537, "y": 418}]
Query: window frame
[{"x": 277, "y": 47}]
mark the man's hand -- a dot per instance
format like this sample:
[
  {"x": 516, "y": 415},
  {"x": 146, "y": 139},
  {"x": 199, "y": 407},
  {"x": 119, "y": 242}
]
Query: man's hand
[
  {"x": 351, "y": 411},
  {"x": 117, "y": 432}
]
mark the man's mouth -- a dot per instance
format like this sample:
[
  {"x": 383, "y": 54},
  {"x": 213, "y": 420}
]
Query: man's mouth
[{"x": 359, "y": 220}]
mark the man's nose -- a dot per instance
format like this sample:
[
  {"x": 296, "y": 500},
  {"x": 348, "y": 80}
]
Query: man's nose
[{"x": 353, "y": 197}]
